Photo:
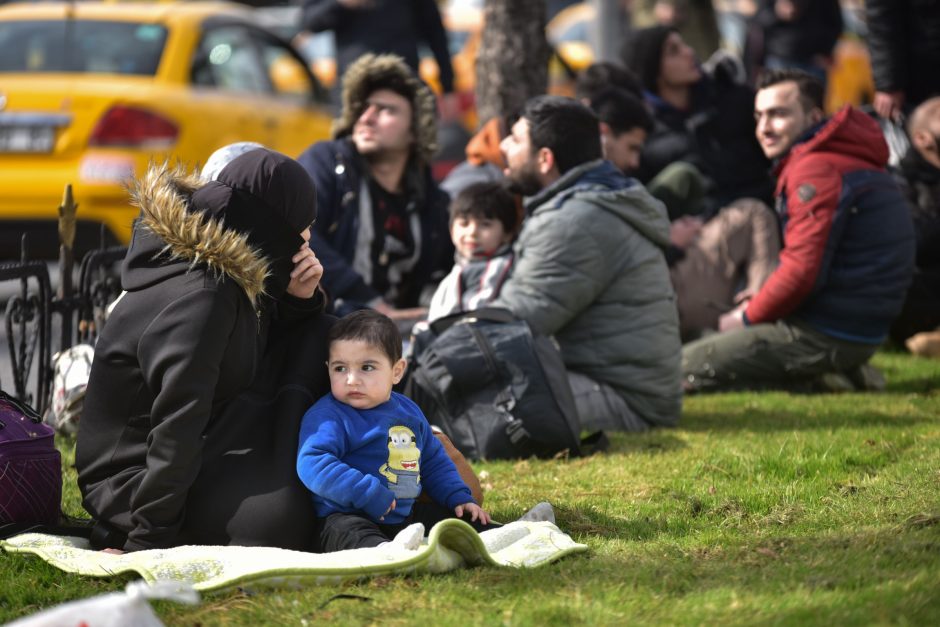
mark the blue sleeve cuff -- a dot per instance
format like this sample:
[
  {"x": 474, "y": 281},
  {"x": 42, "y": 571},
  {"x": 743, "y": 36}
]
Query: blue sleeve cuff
[
  {"x": 379, "y": 503},
  {"x": 459, "y": 498},
  {"x": 744, "y": 319}
]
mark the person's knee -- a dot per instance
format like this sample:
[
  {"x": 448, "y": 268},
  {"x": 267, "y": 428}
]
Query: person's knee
[
  {"x": 339, "y": 532},
  {"x": 681, "y": 187}
]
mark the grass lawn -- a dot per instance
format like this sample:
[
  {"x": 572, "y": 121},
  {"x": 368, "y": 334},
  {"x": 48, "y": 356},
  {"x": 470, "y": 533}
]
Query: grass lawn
[{"x": 761, "y": 508}]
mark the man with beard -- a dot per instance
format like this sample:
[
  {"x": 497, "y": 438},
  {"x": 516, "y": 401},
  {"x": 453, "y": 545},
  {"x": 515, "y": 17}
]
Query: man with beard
[
  {"x": 847, "y": 258},
  {"x": 590, "y": 269},
  {"x": 382, "y": 234}
]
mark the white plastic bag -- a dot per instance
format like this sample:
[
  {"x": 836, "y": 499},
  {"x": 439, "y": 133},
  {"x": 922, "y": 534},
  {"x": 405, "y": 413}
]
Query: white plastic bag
[
  {"x": 116, "y": 609},
  {"x": 71, "y": 369},
  {"x": 896, "y": 138}
]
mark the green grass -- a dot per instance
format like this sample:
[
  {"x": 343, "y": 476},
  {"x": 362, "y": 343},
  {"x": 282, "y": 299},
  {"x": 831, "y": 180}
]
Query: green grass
[{"x": 761, "y": 508}]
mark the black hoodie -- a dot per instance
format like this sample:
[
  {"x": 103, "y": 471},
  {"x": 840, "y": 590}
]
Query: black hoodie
[{"x": 182, "y": 387}]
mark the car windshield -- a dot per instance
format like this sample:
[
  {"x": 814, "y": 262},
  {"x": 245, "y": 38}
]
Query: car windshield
[
  {"x": 577, "y": 31},
  {"x": 81, "y": 46}
]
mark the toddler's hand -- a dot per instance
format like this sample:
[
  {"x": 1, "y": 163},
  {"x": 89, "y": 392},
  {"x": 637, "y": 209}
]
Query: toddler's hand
[
  {"x": 390, "y": 508},
  {"x": 476, "y": 512}
]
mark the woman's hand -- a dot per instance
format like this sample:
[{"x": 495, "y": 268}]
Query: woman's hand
[
  {"x": 476, "y": 512},
  {"x": 306, "y": 275}
]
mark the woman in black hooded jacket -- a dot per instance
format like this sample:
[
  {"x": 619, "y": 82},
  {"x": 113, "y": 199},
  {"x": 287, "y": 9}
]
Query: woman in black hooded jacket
[{"x": 207, "y": 364}]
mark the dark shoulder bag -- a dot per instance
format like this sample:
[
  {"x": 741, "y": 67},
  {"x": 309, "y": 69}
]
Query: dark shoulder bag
[{"x": 496, "y": 389}]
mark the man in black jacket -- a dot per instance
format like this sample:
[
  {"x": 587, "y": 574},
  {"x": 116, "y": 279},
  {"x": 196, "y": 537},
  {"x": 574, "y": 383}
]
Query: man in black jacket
[
  {"x": 382, "y": 26},
  {"x": 800, "y": 34},
  {"x": 904, "y": 40},
  {"x": 382, "y": 232}
]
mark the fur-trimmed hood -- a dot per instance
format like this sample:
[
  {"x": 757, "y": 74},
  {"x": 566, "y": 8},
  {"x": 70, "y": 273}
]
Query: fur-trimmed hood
[
  {"x": 168, "y": 232},
  {"x": 371, "y": 72}
]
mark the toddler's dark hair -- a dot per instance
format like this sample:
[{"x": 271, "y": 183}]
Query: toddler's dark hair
[
  {"x": 489, "y": 200},
  {"x": 370, "y": 326}
]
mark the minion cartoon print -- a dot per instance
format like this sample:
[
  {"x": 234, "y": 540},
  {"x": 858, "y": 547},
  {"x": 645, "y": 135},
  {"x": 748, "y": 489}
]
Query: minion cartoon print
[{"x": 402, "y": 468}]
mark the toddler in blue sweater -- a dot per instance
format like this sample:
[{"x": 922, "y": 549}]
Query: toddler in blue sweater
[{"x": 366, "y": 453}]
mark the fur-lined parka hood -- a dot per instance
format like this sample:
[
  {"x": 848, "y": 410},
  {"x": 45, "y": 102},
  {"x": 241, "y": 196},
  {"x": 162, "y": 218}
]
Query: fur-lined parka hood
[
  {"x": 168, "y": 232},
  {"x": 371, "y": 72}
]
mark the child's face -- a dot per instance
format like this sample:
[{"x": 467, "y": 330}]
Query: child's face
[
  {"x": 477, "y": 237},
  {"x": 362, "y": 375}
]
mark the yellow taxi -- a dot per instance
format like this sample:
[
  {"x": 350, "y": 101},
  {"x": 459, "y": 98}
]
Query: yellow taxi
[
  {"x": 569, "y": 35},
  {"x": 90, "y": 93}
]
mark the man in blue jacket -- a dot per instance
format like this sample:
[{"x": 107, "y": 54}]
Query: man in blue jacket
[{"x": 382, "y": 233}]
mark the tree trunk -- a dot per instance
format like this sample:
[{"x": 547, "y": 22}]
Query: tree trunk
[{"x": 512, "y": 65}]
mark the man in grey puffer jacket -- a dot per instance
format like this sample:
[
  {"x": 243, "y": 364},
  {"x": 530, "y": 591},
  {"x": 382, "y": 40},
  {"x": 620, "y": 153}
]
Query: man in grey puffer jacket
[{"x": 590, "y": 269}]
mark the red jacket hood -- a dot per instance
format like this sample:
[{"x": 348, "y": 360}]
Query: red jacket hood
[{"x": 851, "y": 134}]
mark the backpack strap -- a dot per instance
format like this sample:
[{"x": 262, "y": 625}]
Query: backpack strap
[{"x": 489, "y": 314}]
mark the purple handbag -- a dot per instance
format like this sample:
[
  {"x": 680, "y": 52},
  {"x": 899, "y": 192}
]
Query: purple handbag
[{"x": 30, "y": 466}]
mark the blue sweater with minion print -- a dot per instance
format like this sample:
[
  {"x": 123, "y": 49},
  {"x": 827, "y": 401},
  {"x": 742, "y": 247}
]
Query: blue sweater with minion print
[{"x": 360, "y": 460}]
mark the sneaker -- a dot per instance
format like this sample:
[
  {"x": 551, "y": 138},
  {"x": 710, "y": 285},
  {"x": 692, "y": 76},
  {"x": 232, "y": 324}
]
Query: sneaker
[
  {"x": 410, "y": 537},
  {"x": 835, "y": 382},
  {"x": 542, "y": 512},
  {"x": 867, "y": 377}
]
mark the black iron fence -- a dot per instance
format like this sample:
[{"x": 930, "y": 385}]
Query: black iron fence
[{"x": 78, "y": 313}]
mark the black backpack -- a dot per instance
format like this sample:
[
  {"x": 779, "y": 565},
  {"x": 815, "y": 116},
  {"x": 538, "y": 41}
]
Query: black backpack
[{"x": 496, "y": 390}]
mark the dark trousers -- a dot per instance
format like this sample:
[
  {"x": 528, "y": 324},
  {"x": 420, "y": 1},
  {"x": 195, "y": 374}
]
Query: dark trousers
[
  {"x": 921, "y": 310},
  {"x": 339, "y": 532},
  {"x": 247, "y": 492},
  {"x": 781, "y": 355}
]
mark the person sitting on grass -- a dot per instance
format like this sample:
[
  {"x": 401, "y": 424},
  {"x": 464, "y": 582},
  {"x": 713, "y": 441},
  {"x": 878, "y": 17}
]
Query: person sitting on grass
[
  {"x": 846, "y": 262},
  {"x": 366, "y": 453},
  {"x": 713, "y": 264},
  {"x": 204, "y": 368},
  {"x": 483, "y": 222},
  {"x": 590, "y": 269}
]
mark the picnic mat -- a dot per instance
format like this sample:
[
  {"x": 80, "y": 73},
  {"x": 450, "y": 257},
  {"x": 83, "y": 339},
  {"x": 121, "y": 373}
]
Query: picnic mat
[{"x": 452, "y": 544}]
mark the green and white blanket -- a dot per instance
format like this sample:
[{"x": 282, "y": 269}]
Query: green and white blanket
[{"x": 452, "y": 544}]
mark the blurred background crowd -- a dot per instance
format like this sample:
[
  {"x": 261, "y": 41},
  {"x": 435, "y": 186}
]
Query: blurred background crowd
[{"x": 91, "y": 92}]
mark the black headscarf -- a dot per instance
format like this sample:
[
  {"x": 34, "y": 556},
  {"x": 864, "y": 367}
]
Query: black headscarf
[
  {"x": 643, "y": 53},
  {"x": 270, "y": 198}
]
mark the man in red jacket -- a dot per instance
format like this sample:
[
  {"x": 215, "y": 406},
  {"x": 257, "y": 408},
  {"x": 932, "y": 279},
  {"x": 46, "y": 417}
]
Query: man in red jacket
[{"x": 847, "y": 258}]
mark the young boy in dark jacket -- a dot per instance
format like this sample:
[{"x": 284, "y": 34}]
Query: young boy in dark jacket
[{"x": 483, "y": 222}]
